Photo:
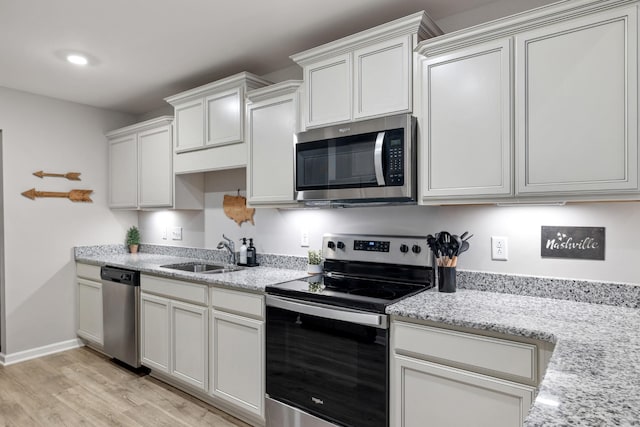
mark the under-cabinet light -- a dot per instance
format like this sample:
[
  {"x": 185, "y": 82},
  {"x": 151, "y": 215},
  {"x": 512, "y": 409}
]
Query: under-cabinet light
[{"x": 516, "y": 204}]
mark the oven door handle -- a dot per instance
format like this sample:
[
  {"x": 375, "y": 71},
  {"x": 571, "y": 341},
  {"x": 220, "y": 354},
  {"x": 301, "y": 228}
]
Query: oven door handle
[
  {"x": 367, "y": 319},
  {"x": 377, "y": 158}
]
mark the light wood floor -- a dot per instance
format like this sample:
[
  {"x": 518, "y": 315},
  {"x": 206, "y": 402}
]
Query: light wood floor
[{"x": 83, "y": 388}]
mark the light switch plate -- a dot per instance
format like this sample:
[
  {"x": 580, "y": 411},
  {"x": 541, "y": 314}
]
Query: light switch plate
[
  {"x": 304, "y": 238},
  {"x": 176, "y": 233},
  {"x": 164, "y": 233}
]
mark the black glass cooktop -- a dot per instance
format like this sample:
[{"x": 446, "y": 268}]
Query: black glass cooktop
[{"x": 358, "y": 293}]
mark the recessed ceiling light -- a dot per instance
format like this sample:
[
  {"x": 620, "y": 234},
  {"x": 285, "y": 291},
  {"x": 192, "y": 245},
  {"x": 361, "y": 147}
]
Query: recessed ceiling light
[{"x": 77, "y": 59}]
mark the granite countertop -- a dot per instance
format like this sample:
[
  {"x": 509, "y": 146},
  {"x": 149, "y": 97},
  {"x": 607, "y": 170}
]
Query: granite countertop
[
  {"x": 593, "y": 376},
  {"x": 250, "y": 278}
]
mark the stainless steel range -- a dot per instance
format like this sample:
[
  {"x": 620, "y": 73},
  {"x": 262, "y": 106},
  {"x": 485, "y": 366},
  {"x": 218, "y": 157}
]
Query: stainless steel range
[{"x": 328, "y": 336}]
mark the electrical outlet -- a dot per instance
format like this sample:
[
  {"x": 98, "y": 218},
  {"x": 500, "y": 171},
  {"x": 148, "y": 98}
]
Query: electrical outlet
[
  {"x": 164, "y": 232},
  {"x": 176, "y": 233},
  {"x": 499, "y": 248},
  {"x": 304, "y": 238}
]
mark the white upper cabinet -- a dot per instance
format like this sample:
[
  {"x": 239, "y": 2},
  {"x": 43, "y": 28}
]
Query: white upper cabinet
[
  {"x": 465, "y": 125},
  {"x": 382, "y": 78},
  {"x": 189, "y": 124},
  {"x": 123, "y": 171},
  {"x": 209, "y": 126},
  {"x": 154, "y": 172},
  {"x": 328, "y": 84},
  {"x": 365, "y": 75},
  {"x": 272, "y": 114},
  {"x": 577, "y": 105},
  {"x": 140, "y": 165},
  {"x": 224, "y": 117},
  {"x": 555, "y": 89}
]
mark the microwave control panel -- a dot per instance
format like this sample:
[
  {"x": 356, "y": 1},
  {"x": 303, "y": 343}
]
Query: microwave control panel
[{"x": 395, "y": 158}]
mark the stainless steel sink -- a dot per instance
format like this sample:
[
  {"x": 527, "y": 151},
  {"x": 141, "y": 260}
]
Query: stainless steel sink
[{"x": 200, "y": 267}]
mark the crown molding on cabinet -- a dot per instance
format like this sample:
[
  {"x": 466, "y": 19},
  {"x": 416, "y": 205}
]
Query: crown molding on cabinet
[
  {"x": 251, "y": 80},
  {"x": 419, "y": 23},
  {"x": 514, "y": 24},
  {"x": 282, "y": 88},
  {"x": 140, "y": 127}
]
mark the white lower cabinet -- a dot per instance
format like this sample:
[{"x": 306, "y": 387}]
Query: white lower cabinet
[
  {"x": 445, "y": 378},
  {"x": 237, "y": 350},
  {"x": 89, "y": 300},
  {"x": 427, "y": 393},
  {"x": 154, "y": 336},
  {"x": 237, "y": 360},
  {"x": 174, "y": 333},
  {"x": 189, "y": 353},
  {"x": 207, "y": 340}
]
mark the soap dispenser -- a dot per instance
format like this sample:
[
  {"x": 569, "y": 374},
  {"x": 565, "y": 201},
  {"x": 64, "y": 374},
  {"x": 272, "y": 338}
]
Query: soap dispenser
[
  {"x": 243, "y": 252},
  {"x": 251, "y": 254}
]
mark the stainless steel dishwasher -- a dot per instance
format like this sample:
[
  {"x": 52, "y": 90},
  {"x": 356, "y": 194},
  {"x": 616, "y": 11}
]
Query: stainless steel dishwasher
[{"x": 120, "y": 302}]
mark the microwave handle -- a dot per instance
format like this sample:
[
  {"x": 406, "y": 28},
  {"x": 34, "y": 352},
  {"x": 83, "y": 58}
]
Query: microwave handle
[{"x": 377, "y": 158}]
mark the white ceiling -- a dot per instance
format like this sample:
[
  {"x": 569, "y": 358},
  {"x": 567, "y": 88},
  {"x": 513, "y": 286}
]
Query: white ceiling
[{"x": 147, "y": 50}]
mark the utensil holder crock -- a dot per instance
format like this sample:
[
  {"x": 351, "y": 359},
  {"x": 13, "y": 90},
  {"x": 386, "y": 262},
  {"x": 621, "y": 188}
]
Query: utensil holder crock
[{"x": 446, "y": 279}]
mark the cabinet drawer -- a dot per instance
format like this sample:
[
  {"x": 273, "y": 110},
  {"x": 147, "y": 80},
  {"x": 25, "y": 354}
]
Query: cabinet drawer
[
  {"x": 185, "y": 291},
  {"x": 238, "y": 302},
  {"x": 514, "y": 360},
  {"x": 91, "y": 272}
]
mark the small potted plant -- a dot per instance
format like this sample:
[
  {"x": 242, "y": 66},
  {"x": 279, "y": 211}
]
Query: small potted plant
[
  {"x": 133, "y": 239},
  {"x": 314, "y": 265}
]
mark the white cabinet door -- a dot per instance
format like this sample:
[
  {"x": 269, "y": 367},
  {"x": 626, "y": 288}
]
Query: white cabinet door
[
  {"x": 189, "y": 125},
  {"x": 577, "y": 105},
  {"x": 328, "y": 91},
  {"x": 382, "y": 78},
  {"x": 237, "y": 361},
  {"x": 189, "y": 331},
  {"x": 427, "y": 394},
  {"x": 224, "y": 117},
  {"x": 270, "y": 174},
  {"x": 466, "y": 137},
  {"x": 123, "y": 172},
  {"x": 154, "y": 332},
  {"x": 90, "y": 311},
  {"x": 156, "y": 173}
]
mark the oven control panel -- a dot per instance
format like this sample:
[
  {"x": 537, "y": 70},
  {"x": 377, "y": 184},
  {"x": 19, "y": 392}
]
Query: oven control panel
[
  {"x": 404, "y": 250},
  {"x": 371, "y": 245}
]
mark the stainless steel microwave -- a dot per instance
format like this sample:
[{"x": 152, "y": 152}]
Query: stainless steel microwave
[{"x": 361, "y": 162}]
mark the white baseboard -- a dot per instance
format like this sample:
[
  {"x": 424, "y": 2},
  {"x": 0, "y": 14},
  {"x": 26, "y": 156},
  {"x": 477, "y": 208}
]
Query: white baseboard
[{"x": 21, "y": 356}]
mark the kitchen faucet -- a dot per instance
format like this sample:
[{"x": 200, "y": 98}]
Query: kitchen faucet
[{"x": 230, "y": 246}]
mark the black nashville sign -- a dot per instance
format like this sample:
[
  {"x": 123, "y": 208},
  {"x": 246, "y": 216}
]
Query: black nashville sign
[{"x": 572, "y": 242}]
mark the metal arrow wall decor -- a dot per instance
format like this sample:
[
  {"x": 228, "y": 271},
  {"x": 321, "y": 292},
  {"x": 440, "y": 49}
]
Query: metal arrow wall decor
[
  {"x": 73, "y": 195},
  {"x": 71, "y": 176}
]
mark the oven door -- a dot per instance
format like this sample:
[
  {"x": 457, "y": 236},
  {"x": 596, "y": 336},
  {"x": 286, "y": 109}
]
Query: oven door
[{"x": 328, "y": 362}]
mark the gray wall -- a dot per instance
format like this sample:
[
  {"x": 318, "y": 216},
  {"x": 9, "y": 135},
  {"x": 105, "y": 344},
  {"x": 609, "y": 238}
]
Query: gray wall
[
  {"x": 278, "y": 230},
  {"x": 42, "y": 133}
]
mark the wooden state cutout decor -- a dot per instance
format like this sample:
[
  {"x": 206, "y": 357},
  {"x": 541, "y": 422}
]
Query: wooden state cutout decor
[{"x": 235, "y": 207}]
